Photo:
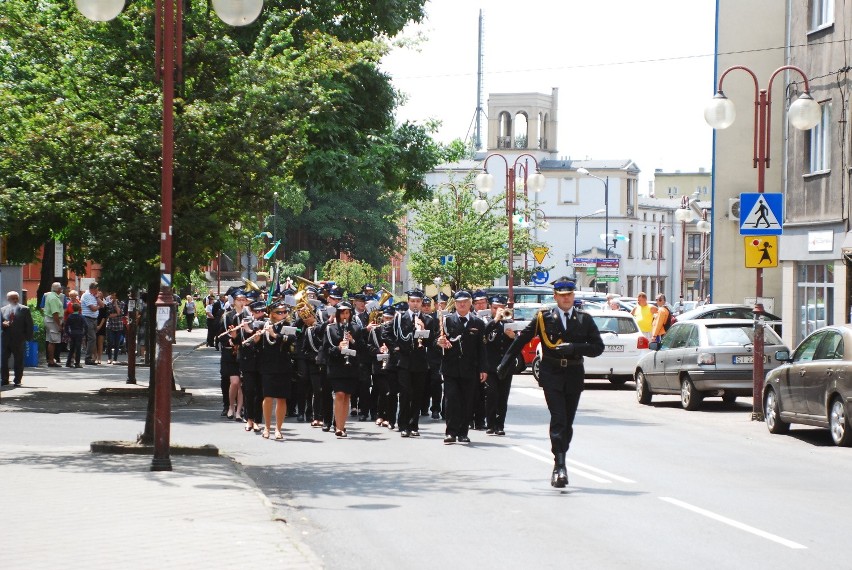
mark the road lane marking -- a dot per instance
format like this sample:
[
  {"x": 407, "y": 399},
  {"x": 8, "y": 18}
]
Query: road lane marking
[
  {"x": 735, "y": 524},
  {"x": 569, "y": 469},
  {"x": 590, "y": 468},
  {"x": 528, "y": 391}
]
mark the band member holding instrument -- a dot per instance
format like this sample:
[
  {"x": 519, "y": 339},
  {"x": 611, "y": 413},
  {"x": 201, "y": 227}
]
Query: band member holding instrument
[
  {"x": 229, "y": 367},
  {"x": 379, "y": 339},
  {"x": 342, "y": 340},
  {"x": 498, "y": 338},
  {"x": 276, "y": 367},
  {"x": 251, "y": 330},
  {"x": 567, "y": 335},
  {"x": 434, "y": 389},
  {"x": 463, "y": 366},
  {"x": 412, "y": 332},
  {"x": 480, "y": 303},
  {"x": 364, "y": 402}
]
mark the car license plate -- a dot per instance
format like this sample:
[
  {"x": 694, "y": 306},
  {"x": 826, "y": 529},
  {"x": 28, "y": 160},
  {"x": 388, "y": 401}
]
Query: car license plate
[
  {"x": 747, "y": 359},
  {"x": 614, "y": 348}
]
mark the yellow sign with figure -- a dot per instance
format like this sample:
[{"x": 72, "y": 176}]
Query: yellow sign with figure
[
  {"x": 761, "y": 251},
  {"x": 540, "y": 253}
]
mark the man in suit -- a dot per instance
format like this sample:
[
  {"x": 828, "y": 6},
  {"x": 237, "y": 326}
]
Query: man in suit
[
  {"x": 413, "y": 368},
  {"x": 16, "y": 322},
  {"x": 463, "y": 366},
  {"x": 567, "y": 335}
]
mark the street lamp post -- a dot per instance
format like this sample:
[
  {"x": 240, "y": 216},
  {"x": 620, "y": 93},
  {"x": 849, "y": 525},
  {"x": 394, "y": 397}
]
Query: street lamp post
[
  {"x": 605, "y": 181},
  {"x": 484, "y": 183},
  {"x": 689, "y": 211},
  {"x": 577, "y": 234},
  {"x": 168, "y": 25},
  {"x": 804, "y": 114}
]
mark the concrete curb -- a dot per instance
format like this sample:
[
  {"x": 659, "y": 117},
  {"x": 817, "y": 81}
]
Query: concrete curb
[{"x": 133, "y": 448}]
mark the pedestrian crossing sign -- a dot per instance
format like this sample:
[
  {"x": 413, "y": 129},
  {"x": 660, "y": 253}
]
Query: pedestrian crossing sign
[
  {"x": 761, "y": 251},
  {"x": 761, "y": 214}
]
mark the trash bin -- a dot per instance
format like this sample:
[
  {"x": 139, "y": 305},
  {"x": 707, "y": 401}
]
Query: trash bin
[{"x": 31, "y": 354}]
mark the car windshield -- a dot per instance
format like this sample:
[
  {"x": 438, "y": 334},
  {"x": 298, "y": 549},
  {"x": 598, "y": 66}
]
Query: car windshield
[
  {"x": 615, "y": 324},
  {"x": 524, "y": 313},
  {"x": 738, "y": 335},
  {"x": 717, "y": 312}
]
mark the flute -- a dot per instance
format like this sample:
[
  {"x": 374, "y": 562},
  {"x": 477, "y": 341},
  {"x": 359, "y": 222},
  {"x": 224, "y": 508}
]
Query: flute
[{"x": 227, "y": 332}]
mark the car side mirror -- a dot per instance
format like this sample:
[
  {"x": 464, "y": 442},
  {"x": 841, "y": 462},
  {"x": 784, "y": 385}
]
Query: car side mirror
[
  {"x": 654, "y": 345},
  {"x": 782, "y": 356}
]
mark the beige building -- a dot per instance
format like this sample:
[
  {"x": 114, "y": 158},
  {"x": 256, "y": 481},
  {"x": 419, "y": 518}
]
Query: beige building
[
  {"x": 678, "y": 184},
  {"x": 741, "y": 42}
]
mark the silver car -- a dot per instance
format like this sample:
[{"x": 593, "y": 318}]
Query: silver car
[{"x": 705, "y": 357}]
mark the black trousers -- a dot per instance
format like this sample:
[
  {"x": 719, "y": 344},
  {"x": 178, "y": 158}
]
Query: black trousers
[
  {"x": 365, "y": 385},
  {"x": 436, "y": 391},
  {"x": 497, "y": 400},
  {"x": 460, "y": 393},
  {"x": 253, "y": 395},
  {"x": 562, "y": 396},
  {"x": 211, "y": 331},
  {"x": 322, "y": 390},
  {"x": 16, "y": 349},
  {"x": 479, "y": 406},
  {"x": 74, "y": 349},
  {"x": 304, "y": 393},
  {"x": 411, "y": 385}
]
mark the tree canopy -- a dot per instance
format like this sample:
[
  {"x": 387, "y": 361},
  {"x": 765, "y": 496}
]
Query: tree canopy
[{"x": 294, "y": 103}]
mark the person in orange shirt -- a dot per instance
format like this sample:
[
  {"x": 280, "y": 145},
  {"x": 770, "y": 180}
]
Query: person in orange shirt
[
  {"x": 644, "y": 314},
  {"x": 661, "y": 318}
]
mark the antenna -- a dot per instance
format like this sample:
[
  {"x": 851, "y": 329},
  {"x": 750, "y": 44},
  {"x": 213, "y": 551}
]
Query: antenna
[{"x": 479, "y": 61}]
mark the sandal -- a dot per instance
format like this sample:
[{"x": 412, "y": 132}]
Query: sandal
[
  {"x": 379, "y": 421},
  {"x": 265, "y": 434},
  {"x": 278, "y": 434},
  {"x": 257, "y": 428},
  {"x": 247, "y": 428},
  {"x": 385, "y": 424},
  {"x": 340, "y": 433}
]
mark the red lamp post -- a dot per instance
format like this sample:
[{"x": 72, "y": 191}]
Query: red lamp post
[
  {"x": 484, "y": 183},
  {"x": 168, "y": 24},
  {"x": 804, "y": 114}
]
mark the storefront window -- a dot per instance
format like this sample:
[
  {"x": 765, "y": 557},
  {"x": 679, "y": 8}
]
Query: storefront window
[{"x": 815, "y": 297}]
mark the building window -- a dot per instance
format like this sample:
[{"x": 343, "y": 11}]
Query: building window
[
  {"x": 822, "y": 13},
  {"x": 630, "y": 248},
  {"x": 644, "y": 246},
  {"x": 818, "y": 141},
  {"x": 568, "y": 190},
  {"x": 815, "y": 297},
  {"x": 630, "y": 186},
  {"x": 693, "y": 246}
]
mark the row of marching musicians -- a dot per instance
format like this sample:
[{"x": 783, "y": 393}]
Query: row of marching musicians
[{"x": 334, "y": 353}]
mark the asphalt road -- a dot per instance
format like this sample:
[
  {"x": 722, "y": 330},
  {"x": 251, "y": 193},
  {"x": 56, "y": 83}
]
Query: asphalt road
[{"x": 650, "y": 487}]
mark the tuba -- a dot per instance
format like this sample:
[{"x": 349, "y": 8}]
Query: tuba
[{"x": 376, "y": 313}]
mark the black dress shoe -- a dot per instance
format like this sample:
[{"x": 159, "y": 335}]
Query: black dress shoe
[
  {"x": 300, "y": 418},
  {"x": 415, "y": 433},
  {"x": 559, "y": 478},
  {"x": 449, "y": 439},
  {"x": 326, "y": 428},
  {"x": 405, "y": 433},
  {"x": 436, "y": 416},
  {"x": 489, "y": 431},
  {"x": 362, "y": 418},
  {"x": 464, "y": 439},
  {"x": 499, "y": 432}
]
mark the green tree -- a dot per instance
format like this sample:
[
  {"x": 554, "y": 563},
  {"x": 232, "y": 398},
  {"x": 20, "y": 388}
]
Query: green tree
[
  {"x": 449, "y": 225},
  {"x": 350, "y": 275}
]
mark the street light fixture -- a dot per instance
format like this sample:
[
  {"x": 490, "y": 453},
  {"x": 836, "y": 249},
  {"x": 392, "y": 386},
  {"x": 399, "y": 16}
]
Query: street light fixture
[
  {"x": 485, "y": 182},
  {"x": 803, "y": 114},
  {"x": 605, "y": 181},
  {"x": 168, "y": 27}
]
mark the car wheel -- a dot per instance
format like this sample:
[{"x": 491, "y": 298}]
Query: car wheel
[
  {"x": 536, "y": 364},
  {"x": 690, "y": 398},
  {"x": 838, "y": 422},
  {"x": 618, "y": 380},
  {"x": 772, "y": 413},
  {"x": 643, "y": 391},
  {"x": 729, "y": 398}
]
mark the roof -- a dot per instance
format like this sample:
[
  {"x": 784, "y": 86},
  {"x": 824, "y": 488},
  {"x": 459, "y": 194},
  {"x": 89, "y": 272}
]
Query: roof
[{"x": 625, "y": 164}]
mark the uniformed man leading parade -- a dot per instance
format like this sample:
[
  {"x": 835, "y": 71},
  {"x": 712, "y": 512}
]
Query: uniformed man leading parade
[{"x": 567, "y": 335}]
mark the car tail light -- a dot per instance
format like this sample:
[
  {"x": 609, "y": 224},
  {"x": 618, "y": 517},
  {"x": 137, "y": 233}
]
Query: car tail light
[
  {"x": 642, "y": 342},
  {"x": 707, "y": 358}
]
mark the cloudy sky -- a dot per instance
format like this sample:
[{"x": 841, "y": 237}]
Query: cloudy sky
[{"x": 633, "y": 77}]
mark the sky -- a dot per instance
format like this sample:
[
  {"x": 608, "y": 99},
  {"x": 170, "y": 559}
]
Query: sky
[{"x": 633, "y": 76}]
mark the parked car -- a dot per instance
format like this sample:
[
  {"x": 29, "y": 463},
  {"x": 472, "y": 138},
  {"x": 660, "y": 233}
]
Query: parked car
[
  {"x": 814, "y": 386},
  {"x": 624, "y": 344},
  {"x": 525, "y": 312},
  {"x": 729, "y": 311},
  {"x": 703, "y": 358}
]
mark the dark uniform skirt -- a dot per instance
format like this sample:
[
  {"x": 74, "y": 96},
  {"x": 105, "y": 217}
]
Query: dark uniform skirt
[
  {"x": 346, "y": 385},
  {"x": 275, "y": 385},
  {"x": 228, "y": 365}
]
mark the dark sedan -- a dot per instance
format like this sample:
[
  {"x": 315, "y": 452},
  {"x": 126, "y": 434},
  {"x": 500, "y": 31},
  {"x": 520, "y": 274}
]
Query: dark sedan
[{"x": 814, "y": 386}]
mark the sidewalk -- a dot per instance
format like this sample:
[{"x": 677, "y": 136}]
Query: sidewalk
[{"x": 64, "y": 505}]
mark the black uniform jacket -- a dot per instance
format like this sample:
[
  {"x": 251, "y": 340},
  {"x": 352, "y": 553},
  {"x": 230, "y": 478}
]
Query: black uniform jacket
[
  {"x": 580, "y": 338},
  {"x": 466, "y": 357},
  {"x": 411, "y": 353},
  {"x": 496, "y": 343},
  {"x": 275, "y": 356},
  {"x": 340, "y": 366}
]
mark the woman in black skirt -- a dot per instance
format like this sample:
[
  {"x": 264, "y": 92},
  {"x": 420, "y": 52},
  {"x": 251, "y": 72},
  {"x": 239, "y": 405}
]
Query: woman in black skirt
[
  {"x": 276, "y": 367},
  {"x": 341, "y": 338}
]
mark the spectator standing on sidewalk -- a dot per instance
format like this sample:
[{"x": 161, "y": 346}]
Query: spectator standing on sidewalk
[
  {"x": 114, "y": 329},
  {"x": 53, "y": 313},
  {"x": 75, "y": 328},
  {"x": 17, "y": 325},
  {"x": 644, "y": 314},
  {"x": 661, "y": 319},
  {"x": 90, "y": 305},
  {"x": 189, "y": 312}
]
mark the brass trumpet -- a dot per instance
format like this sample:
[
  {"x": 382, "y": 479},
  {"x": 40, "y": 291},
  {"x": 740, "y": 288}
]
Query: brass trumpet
[{"x": 505, "y": 314}]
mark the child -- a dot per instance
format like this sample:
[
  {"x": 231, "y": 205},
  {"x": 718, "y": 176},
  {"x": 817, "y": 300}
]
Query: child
[{"x": 75, "y": 328}]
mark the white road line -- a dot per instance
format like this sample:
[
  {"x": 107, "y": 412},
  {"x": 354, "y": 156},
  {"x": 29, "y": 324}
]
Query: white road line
[
  {"x": 549, "y": 460},
  {"x": 532, "y": 392},
  {"x": 733, "y": 523},
  {"x": 590, "y": 468}
]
